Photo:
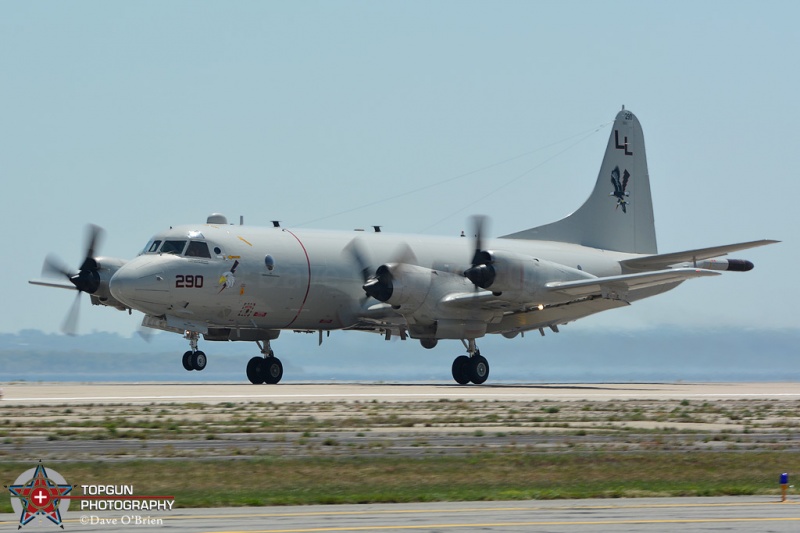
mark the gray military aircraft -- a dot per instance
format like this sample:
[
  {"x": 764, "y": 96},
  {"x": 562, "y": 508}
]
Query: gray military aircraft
[{"x": 240, "y": 283}]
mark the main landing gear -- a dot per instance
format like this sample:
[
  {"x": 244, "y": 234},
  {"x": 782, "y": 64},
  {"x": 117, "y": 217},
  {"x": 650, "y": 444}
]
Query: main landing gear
[
  {"x": 471, "y": 367},
  {"x": 193, "y": 359},
  {"x": 266, "y": 368}
]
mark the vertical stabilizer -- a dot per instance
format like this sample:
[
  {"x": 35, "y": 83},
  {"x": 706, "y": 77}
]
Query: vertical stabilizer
[{"x": 619, "y": 213}]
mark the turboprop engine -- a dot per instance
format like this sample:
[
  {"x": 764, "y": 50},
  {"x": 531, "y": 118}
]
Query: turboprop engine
[
  {"x": 92, "y": 278},
  {"x": 400, "y": 284},
  {"x": 517, "y": 277}
]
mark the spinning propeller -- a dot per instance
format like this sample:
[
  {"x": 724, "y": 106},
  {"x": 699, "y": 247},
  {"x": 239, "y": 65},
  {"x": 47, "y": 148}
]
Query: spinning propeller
[
  {"x": 87, "y": 279},
  {"x": 481, "y": 273},
  {"x": 379, "y": 285}
]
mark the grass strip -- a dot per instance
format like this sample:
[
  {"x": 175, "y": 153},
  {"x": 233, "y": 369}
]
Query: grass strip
[{"x": 487, "y": 476}]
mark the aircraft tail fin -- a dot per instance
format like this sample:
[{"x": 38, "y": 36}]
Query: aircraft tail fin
[{"x": 619, "y": 213}]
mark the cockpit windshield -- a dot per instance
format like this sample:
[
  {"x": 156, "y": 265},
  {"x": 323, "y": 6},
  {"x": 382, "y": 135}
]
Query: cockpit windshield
[
  {"x": 173, "y": 247},
  {"x": 179, "y": 247}
]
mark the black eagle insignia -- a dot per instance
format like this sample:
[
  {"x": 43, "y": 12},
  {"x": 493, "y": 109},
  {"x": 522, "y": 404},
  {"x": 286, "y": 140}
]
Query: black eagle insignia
[{"x": 619, "y": 188}]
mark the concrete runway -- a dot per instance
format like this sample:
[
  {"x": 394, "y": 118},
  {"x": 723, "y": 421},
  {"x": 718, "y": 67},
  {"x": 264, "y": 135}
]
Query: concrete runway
[
  {"x": 145, "y": 393},
  {"x": 651, "y": 515}
]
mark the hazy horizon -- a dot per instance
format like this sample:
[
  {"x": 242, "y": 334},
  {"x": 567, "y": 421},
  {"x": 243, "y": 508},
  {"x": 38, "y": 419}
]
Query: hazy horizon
[{"x": 574, "y": 355}]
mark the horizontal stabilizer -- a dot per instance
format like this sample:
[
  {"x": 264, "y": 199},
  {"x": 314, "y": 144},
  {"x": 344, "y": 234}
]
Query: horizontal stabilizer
[
  {"x": 619, "y": 285},
  {"x": 660, "y": 261}
]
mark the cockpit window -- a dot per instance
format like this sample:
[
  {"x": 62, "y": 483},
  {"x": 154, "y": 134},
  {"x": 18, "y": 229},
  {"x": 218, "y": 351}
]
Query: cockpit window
[
  {"x": 151, "y": 247},
  {"x": 173, "y": 247},
  {"x": 197, "y": 249}
]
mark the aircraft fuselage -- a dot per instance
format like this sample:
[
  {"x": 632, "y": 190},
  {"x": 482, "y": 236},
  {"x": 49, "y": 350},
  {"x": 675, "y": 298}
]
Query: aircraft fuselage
[{"x": 278, "y": 278}]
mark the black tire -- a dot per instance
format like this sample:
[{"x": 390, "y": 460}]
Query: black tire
[
  {"x": 460, "y": 369},
  {"x": 199, "y": 360},
  {"x": 478, "y": 369},
  {"x": 187, "y": 361},
  {"x": 272, "y": 370},
  {"x": 254, "y": 373}
]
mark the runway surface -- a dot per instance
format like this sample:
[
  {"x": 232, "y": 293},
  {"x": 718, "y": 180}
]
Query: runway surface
[
  {"x": 145, "y": 393},
  {"x": 651, "y": 515},
  {"x": 740, "y": 514}
]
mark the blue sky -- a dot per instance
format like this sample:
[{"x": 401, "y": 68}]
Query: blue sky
[{"x": 140, "y": 115}]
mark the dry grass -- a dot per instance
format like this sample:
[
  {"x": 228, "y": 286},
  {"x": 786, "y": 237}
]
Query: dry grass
[
  {"x": 350, "y": 452},
  {"x": 276, "y": 481}
]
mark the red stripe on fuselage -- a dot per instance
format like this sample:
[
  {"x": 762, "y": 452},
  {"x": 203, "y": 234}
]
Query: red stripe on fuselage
[{"x": 308, "y": 287}]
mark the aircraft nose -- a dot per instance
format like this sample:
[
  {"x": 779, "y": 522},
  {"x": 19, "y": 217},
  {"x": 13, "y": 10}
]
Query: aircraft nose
[{"x": 140, "y": 284}]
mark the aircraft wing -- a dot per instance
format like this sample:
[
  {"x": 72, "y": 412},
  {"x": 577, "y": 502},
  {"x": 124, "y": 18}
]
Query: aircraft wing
[
  {"x": 660, "y": 261},
  {"x": 614, "y": 287},
  {"x": 553, "y": 316},
  {"x": 626, "y": 282}
]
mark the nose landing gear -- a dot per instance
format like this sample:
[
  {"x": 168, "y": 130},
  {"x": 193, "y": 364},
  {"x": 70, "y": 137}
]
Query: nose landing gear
[
  {"x": 194, "y": 359},
  {"x": 266, "y": 368}
]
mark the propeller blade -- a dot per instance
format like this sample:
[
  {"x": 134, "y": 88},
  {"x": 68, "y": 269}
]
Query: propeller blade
[
  {"x": 93, "y": 236},
  {"x": 356, "y": 251},
  {"x": 86, "y": 279},
  {"x": 481, "y": 273},
  {"x": 478, "y": 225},
  {"x": 70, "y": 325},
  {"x": 56, "y": 285},
  {"x": 145, "y": 333},
  {"x": 53, "y": 267},
  {"x": 405, "y": 255}
]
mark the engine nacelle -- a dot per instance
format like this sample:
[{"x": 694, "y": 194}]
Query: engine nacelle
[
  {"x": 518, "y": 277},
  {"x": 106, "y": 268},
  {"x": 400, "y": 285}
]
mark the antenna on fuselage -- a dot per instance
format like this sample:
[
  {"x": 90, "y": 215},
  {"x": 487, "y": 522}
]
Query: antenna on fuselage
[{"x": 276, "y": 223}]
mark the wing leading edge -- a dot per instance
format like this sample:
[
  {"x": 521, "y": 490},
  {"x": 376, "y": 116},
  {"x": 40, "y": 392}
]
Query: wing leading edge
[
  {"x": 616, "y": 287},
  {"x": 661, "y": 261}
]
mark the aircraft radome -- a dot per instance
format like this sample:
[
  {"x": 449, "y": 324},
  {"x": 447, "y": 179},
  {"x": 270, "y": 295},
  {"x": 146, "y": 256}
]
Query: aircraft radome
[{"x": 241, "y": 283}]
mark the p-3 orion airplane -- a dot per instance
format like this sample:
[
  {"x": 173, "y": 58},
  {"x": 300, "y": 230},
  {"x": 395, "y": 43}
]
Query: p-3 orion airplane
[{"x": 242, "y": 283}]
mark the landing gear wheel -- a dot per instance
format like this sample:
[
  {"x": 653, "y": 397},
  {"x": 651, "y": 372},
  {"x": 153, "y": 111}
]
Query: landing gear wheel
[
  {"x": 254, "y": 370},
  {"x": 187, "y": 361},
  {"x": 272, "y": 370},
  {"x": 199, "y": 360},
  {"x": 478, "y": 369},
  {"x": 461, "y": 367}
]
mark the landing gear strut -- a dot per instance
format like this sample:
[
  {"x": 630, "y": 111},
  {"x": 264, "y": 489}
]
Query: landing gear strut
[
  {"x": 264, "y": 369},
  {"x": 471, "y": 367},
  {"x": 194, "y": 359}
]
